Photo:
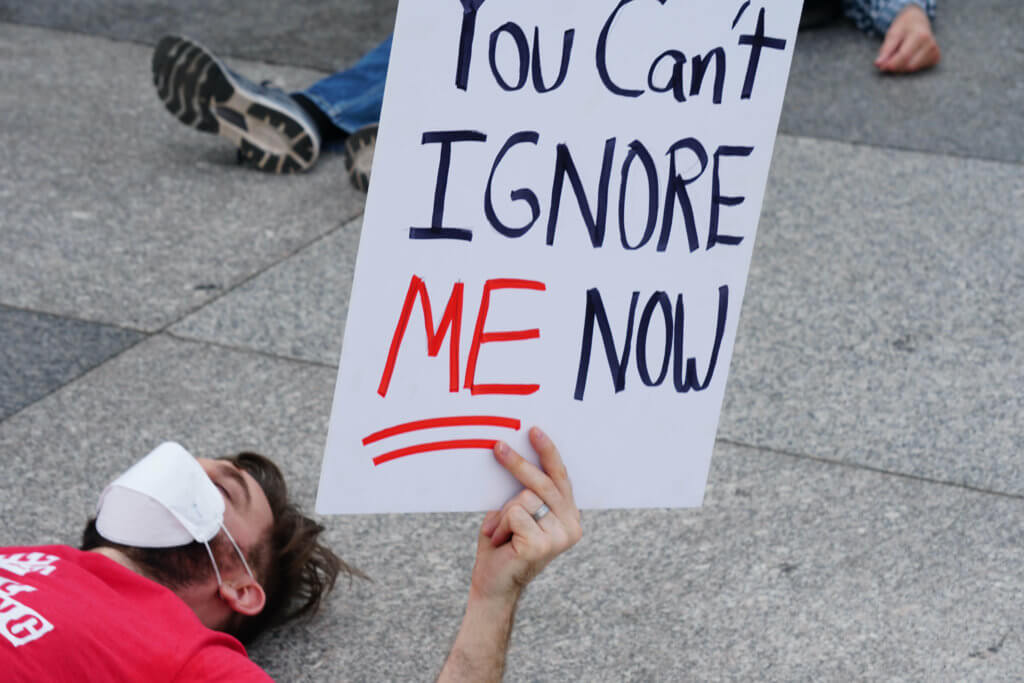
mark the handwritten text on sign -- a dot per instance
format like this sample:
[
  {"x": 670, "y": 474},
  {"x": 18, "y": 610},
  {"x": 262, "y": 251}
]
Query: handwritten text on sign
[{"x": 563, "y": 206}]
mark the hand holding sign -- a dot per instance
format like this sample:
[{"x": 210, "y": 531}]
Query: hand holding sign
[{"x": 514, "y": 546}]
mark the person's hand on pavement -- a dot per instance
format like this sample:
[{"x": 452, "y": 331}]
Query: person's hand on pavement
[{"x": 909, "y": 43}]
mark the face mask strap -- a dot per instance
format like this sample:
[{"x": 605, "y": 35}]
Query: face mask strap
[
  {"x": 210, "y": 553},
  {"x": 239, "y": 551}
]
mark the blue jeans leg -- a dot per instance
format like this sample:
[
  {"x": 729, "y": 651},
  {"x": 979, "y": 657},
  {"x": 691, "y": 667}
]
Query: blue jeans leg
[{"x": 352, "y": 98}]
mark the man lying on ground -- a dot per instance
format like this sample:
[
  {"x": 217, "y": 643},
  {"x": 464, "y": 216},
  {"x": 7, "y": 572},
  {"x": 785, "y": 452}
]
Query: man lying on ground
[{"x": 187, "y": 557}]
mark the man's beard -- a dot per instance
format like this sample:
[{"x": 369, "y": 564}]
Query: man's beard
[
  {"x": 171, "y": 567},
  {"x": 175, "y": 567}
]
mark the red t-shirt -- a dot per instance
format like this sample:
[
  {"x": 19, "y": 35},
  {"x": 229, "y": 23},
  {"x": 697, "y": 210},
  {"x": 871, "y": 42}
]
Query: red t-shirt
[{"x": 68, "y": 615}]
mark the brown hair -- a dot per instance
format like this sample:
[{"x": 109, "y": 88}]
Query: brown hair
[{"x": 296, "y": 570}]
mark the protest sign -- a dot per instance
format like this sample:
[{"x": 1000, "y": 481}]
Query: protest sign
[{"x": 558, "y": 232}]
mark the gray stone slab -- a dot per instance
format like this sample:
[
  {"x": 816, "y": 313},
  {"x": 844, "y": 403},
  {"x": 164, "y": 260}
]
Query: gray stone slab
[
  {"x": 972, "y": 104},
  {"x": 795, "y": 569},
  {"x": 117, "y": 213},
  {"x": 884, "y": 316},
  {"x": 311, "y": 33},
  {"x": 296, "y": 309},
  {"x": 39, "y": 353},
  {"x": 212, "y": 400}
]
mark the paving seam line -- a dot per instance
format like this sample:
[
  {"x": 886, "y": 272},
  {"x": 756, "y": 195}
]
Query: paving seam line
[
  {"x": 165, "y": 329},
  {"x": 871, "y": 468}
]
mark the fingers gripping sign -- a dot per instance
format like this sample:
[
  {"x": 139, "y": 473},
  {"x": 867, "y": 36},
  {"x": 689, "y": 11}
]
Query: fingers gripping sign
[{"x": 514, "y": 546}]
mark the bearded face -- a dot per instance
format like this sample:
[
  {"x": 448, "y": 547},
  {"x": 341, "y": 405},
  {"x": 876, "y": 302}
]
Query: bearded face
[{"x": 171, "y": 567}]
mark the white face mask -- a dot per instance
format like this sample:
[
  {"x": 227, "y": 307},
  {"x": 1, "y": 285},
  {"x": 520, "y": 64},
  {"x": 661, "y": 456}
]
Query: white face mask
[{"x": 163, "y": 501}]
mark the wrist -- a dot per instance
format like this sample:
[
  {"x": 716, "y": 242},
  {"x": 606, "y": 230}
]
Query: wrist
[
  {"x": 915, "y": 12},
  {"x": 496, "y": 600},
  {"x": 480, "y": 646}
]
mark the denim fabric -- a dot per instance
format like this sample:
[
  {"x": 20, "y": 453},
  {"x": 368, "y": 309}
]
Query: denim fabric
[
  {"x": 875, "y": 16},
  {"x": 351, "y": 99}
]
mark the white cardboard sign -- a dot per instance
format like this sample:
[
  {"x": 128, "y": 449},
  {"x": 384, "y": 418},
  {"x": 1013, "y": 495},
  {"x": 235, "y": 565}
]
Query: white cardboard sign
[{"x": 558, "y": 232}]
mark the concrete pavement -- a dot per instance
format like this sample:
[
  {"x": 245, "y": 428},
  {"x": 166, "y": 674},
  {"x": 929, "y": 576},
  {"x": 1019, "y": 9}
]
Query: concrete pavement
[{"x": 863, "y": 512}]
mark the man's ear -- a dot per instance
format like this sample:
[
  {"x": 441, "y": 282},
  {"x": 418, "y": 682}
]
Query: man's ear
[{"x": 244, "y": 595}]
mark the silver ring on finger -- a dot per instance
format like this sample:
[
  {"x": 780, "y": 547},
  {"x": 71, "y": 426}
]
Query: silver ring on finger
[{"x": 541, "y": 511}]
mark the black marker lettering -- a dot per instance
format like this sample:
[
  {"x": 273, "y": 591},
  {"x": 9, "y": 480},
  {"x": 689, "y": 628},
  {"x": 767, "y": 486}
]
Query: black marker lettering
[
  {"x": 637, "y": 150},
  {"x": 657, "y": 299},
  {"x": 699, "y": 70},
  {"x": 675, "y": 82},
  {"x": 677, "y": 191},
  {"x": 616, "y": 364},
  {"x": 512, "y": 29},
  {"x": 602, "y": 56},
  {"x": 563, "y": 69},
  {"x": 436, "y": 229},
  {"x": 718, "y": 199},
  {"x": 691, "y": 381},
  {"x": 521, "y": 194},
  {"x": 757, "y": 42},
  {"x": 465, "y": 49},
  {"x": 564, "y": 166}
]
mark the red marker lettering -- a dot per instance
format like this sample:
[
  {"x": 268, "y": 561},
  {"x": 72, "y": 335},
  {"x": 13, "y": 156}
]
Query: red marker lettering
[
  {"x": 481, "y": 337},
  {"x": 450, "y": 321}
]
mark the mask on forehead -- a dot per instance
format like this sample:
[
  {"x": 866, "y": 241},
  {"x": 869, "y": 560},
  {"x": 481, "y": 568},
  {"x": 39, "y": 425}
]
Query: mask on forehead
[{"x": 163, "y": 501}]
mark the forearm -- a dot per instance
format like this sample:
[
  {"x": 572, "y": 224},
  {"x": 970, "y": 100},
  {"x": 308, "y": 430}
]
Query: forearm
[{"x": 482, "y": 642}]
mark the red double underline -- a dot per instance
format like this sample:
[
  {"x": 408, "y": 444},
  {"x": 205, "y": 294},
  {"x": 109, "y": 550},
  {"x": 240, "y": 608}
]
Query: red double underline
[{"x": 434, "y": 423}]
